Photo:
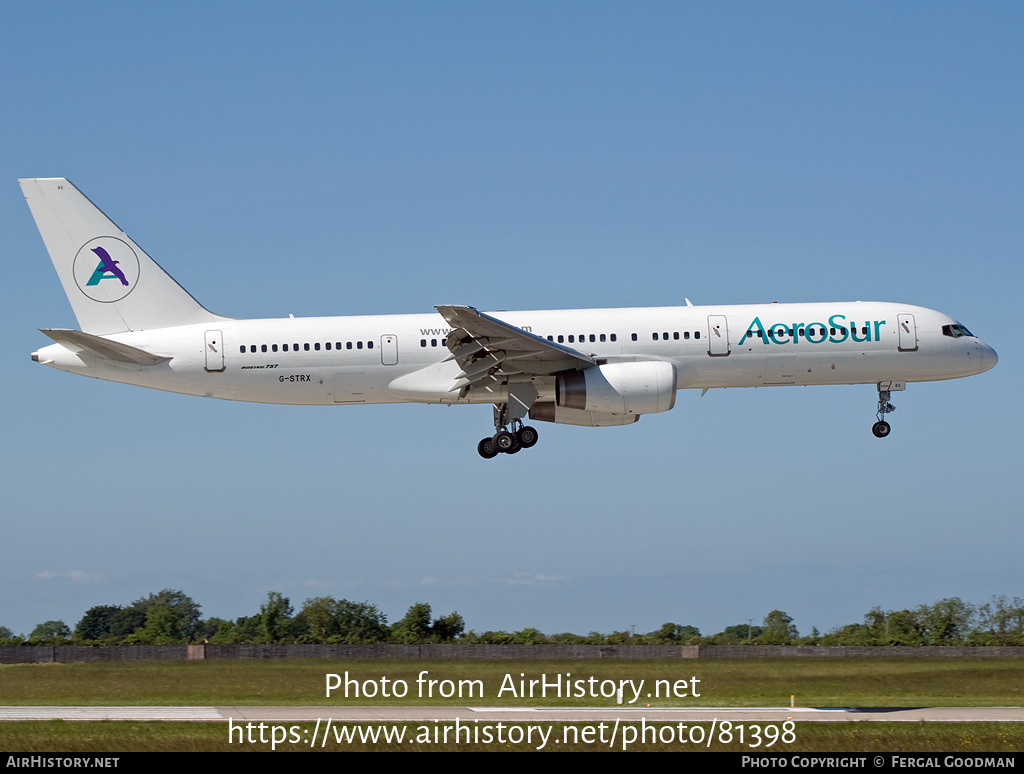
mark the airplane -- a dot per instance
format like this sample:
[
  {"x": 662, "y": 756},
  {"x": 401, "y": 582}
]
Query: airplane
[{"x": 585, "y": 367}]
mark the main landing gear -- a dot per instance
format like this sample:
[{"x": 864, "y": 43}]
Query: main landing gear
[
  {"x": 510, "y": 434},
  {"x": 881, "y": 428},
  {"x": 508, "y": 440}
]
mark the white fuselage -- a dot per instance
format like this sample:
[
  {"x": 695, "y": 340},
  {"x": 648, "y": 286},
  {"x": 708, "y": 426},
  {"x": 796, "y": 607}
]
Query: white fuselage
[{"x": 402, "y": 358}]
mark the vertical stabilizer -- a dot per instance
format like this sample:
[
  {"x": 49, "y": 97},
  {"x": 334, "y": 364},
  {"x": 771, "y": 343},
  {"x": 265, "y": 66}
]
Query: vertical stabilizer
[{"x": 113, "y": 286}]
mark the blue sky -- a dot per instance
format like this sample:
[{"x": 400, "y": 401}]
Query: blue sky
[{"x": 360, "y": 158}]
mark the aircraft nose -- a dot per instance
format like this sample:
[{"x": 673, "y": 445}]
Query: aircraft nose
[{"x": 989, "y": 358}]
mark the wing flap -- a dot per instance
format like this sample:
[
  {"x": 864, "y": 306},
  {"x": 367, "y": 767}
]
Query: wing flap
[
  {"x": 471, "y": 326},
  {"x": 489, "y": 350}
]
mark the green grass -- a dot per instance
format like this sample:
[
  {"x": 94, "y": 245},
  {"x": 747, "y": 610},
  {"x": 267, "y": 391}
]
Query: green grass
[
  {"x": 815, "y": 683},
  {"x": 115, "y": 737}
]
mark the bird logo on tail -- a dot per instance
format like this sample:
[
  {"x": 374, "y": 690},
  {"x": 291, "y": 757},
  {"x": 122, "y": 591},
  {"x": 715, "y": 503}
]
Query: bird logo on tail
[
  {"x": 107, "y": 266},
  {"x": 106, "y": 269}
]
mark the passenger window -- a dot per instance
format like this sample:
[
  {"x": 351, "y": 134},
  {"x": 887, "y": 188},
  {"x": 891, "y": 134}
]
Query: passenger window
[
  {"x": 348, "y": 345},
  {"x": 273, "y": 347},
  {"x": 327, "y": 345},
  {"x": 686, "y": 335},
  {"x": 560, "y": 339},
  {"x": 369, "y": 345},
  {"x": 572, "y": 339},
  {"x": 593, "y": 338},
  {"x": 613, "y": 337},
  {"x": 359, "y": 345},
  {"x": 317, "y": 346},
  {"x": 306, "y": 347},
  {"x": 263, "y": 347},
  {"x": 634, "y": 337},
  {"x": 252, "y": 348},
  {"x": 654, "y": 336},
  {"x": 696, "y": 334},
  {"x": 242, "y": 349},
  {"x": 602, "y": 337},
  {"x": 675, "y": 335}
]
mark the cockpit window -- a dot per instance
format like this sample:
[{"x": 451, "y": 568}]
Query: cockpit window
[{"x": 956, "y": 331}]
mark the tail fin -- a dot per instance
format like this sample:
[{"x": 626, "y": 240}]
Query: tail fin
[{"x": 113, "y": 286}]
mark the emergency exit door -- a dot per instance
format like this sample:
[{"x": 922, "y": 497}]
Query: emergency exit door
[{"x": 389, "y": 349}]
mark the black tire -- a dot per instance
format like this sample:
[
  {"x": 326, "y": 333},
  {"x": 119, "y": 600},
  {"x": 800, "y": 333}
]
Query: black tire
[
  {"x": 527, "y": 436},
  {"x": 880, "y": 429},
  {"x": 487, "y": 448},
  {"x": 505, "y": 441}
]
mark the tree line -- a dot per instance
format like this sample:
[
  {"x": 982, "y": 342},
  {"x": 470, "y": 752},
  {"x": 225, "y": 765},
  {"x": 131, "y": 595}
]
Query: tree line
[{"x": 172, "y": 617}]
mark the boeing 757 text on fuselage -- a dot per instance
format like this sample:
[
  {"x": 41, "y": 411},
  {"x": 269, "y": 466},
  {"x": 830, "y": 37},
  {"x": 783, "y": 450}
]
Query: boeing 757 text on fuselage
[{"x": 589, "y": 367}]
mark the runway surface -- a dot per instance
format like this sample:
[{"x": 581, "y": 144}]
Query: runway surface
[{"x": 518, "y": 714}]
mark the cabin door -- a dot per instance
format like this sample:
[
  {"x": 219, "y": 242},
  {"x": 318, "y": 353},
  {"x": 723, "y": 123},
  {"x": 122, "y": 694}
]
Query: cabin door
[
  {"x": 908, "y": 332},
  {"x": 214, "y": 351},
  {"x": 718, "y": 335}
]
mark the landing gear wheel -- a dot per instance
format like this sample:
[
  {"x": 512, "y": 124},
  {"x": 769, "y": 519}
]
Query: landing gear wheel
[
  {"x": 505, "y": 441},
  {"x": 881, "y": 427},
  {"x": 527, "y": 437},
  {"x": 517, "y": 448},
  {"x": 487, "y": 448}
]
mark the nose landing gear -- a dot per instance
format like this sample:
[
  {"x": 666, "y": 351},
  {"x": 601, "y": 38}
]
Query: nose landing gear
[{"x": 881, "y": 428}]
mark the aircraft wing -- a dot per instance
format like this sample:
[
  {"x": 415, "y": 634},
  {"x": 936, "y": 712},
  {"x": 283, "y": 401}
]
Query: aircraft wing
[
  {"x": 489, "y": 350},
  {"x": 77, "y": 341}
]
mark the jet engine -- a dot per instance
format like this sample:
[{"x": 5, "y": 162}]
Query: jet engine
[{"x": 643, "y": 387}]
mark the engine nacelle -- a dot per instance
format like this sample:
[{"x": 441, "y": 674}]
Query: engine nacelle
[
  {"x": 640, "y": 387},
  {"x": 549, "y": 412}
]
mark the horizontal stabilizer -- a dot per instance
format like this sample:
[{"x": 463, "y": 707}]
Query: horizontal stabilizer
[{"x": 77, "y": 341}]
